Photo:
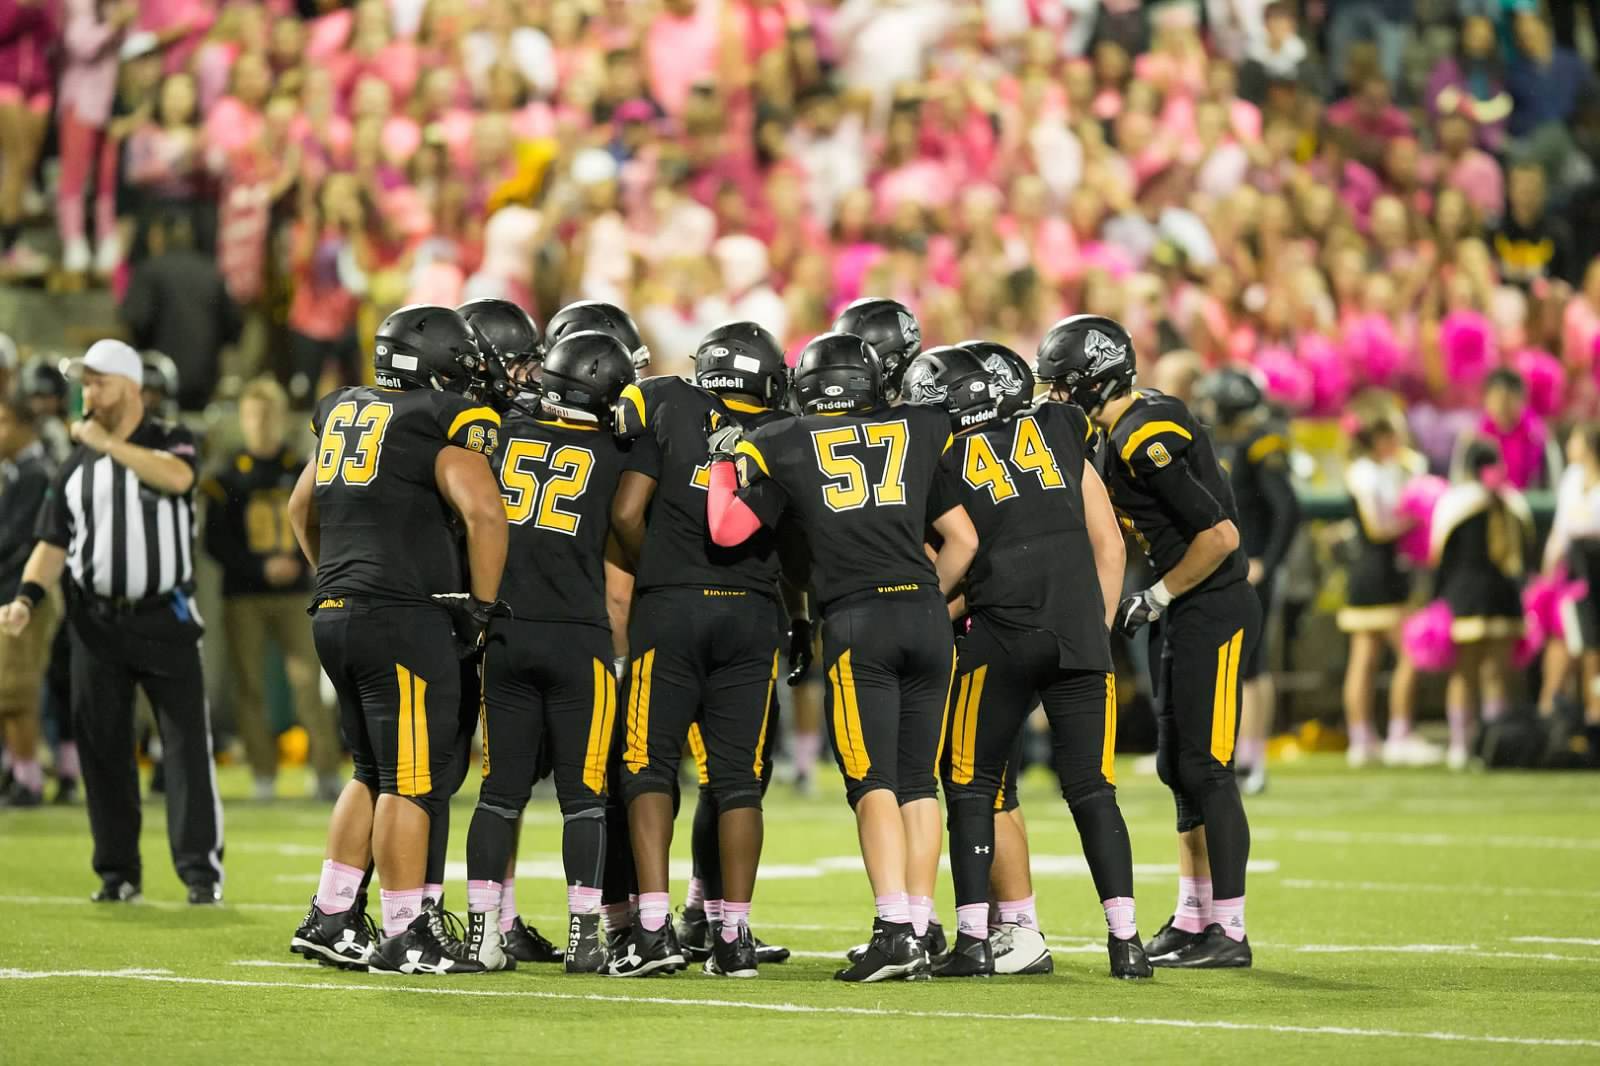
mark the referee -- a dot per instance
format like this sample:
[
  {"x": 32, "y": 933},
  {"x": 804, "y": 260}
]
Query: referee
[{"x": 119, "y": 521}]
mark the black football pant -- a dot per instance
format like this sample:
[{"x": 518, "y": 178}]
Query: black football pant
[
  {"x": 888, "y": 659},
  {"x": 157, "y": 650},
  {"x": 1206, "y": 637},
  {"x": 549, "y": 698},
  {"x": 1001, "y": 673},
  {"x": 705, "y": 846}
]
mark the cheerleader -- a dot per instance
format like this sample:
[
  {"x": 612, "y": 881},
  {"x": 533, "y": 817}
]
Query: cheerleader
[
  {"x": 1379, "y": 590},
  {"x": 1574, "y": 546},
  {"x": 1479, "y": 541}
]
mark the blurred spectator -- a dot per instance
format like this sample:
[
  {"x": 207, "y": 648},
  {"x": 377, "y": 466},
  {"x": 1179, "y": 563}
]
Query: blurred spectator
[
  {"x": 1387, "y": 23},
  {"x": 1520, "y": 438},
  {"x": 29, "y": 30},
  {"x": 24, "y": 481},
  {"x": 1546, "y": 82},
  {"x": 1532, "y": 247},
  {"x": 93, "y": 38},
  {"x": 1471, "y": 83}
]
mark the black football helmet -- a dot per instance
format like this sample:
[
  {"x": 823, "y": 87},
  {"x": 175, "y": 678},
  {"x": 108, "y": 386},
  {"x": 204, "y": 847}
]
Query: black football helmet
[
  {"x": 160, "y": 384},
  {"x": 1013, "y": 378},
  {"x": 426, "y": 347},
  {"x": 838, "y": 372},
  {"x": 584, "y": 375},
  {"x": 891, "y": 329},
  {"x": 43, "y": 379},
  {"x": 1230, "y": 394},
  {"x": 955, "y": 379},
  {"x": 1090, "y": 356},
  {"x": 505, "y": 331},
  {"x": 742, "y": 357},
  {"x": 601, "y": 317}
]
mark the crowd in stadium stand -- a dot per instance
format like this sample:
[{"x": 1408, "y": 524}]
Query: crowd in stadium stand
[{"x": 1338, "y": 192}]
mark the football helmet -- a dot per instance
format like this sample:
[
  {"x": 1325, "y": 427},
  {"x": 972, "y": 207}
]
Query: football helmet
[
  {"x": 427, "y": 347},
  {"x": 584, "y": 375},
  {"x": 891, "y": 329},
  {"x": 745, "y": 358},
  {"x": 1229, "y": 394},
  {"x": 601, "y": 317},
  {"x": 955, "y": 379},
  {"x": 1090, "y": 356},
  {"x": 1013, "y": 378},
  {"x": 838, "y": 372}
]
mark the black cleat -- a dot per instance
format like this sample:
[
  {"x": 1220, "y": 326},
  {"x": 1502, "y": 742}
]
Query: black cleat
[
  {"x": 895, "y": 952},
  {"x": 859, "y": 952},
  {"x": 1167, "y": 943},
  {"x": 644, "y": 952},
  {"x": 971, "y": 957},
  {"x": 1128, "y": 960},
  {"x": 20, "y": 797},
  {"x": 343, "y": 940},
  {"x": 584, "y": 951},
  {"x": 733, "y": 958},
  {"x": 935, "y": 940},
  {"x": 205, "y": 894},
  {"x": 117, "y": 890},
  {"x": 66, "y": 790},
  {"x": 428, "y": 946},
  {"x": 694, "y": 934},
  {"x": 1213, "y": 950},
  {"x": 524, "y": 944},
  {"x": 767, "y": 954}
]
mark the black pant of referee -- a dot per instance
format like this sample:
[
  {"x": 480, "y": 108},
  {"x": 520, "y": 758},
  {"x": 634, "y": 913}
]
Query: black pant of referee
[{"x": 154, "y": 645}]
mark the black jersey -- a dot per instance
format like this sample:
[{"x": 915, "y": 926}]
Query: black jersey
[
  {"x": 1167, "y": 485},
  {"x": 387, "y": 533},
  {"x": 864, "y": 488},
  {"x": 1021, "y": 480},
  {"x": 247, "y": 520},
  {"x": 1257, "y": 464},
  {"x": 557, "y": 478},
  {"x": 667, "y": 418}
]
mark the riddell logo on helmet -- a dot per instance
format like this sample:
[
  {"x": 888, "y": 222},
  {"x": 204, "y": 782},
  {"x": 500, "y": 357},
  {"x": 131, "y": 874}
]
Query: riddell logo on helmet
[
  {"x": 721, "y": 382},
  {"x": 833, "y": 405},
  {"x": 976, "y": 418}
]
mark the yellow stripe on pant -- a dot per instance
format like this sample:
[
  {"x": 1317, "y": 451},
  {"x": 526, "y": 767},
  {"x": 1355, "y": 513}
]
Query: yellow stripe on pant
[
  {"x": 637, "y": 756},
  {"x": 1108, "y": 755},
  {"x": 847, "y": 721},
  {"x": 483, "y": 712},
  {"x": 697, "y": 749},
  {"x": 944, "y": 720},
  {"x": 1225, "y": 700},
  {"x": 601, "y": 720},
  {"x": 766, "y": 716},
  {"x": 964, "y": 732},
  {"x": 413, "y": 776}
]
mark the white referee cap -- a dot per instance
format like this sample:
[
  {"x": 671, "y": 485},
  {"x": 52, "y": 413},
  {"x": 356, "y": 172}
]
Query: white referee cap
[{"x": 112, "y": 358}]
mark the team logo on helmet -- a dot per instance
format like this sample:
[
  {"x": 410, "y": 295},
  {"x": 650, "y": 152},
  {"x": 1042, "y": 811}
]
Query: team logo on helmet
[
  {"x": 922, "y": 385},
  {"x": 909, "y": 329},
  {"x": 1006, "y": 381},
  {"x": 1102, "y": 351}
]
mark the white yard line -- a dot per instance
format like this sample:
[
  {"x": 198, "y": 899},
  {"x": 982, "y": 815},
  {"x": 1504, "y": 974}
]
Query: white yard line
[
  {"x": 1410, "y": 886},
  {"x": 1588, "y": 942},
  {"x": 1431, "y": 840},
  {"x": 393, "y": 985}
]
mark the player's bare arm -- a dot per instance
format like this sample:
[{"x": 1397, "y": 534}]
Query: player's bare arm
[
  {"x": 1110, "y": 551},
  {"x": 959, "y": 549},
  {"x": 470, "y": 488},
  {"x": 303, "y": 516},
  {"x": 628, "y": 507}
]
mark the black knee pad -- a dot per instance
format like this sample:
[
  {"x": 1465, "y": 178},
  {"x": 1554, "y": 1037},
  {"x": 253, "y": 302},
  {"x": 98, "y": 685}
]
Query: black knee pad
[
  {"x": 1080, "y": 789},
  {"x": 650, "y": 780},
  {"x": 434, "y": 803},
  {"x": 366, "y": 771},
  {"x": 738, "y": 797},
  {"x": 510, "y": 810},
  {"x": 874, "y": 781},
  {"x": 595, "y": 813},
  {"x": 960, "y": 801},
  {"x": 922, "y": 787},
  {"x": 1200, "y": 775}
]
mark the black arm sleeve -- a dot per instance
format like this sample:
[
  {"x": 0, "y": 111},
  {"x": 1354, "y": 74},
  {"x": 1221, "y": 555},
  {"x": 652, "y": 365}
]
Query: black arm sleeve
[
  {"x": 1189, "y": 503},
  {"x": 1284, "y": 506}
]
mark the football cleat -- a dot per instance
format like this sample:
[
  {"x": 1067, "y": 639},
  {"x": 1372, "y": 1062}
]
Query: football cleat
[
  {"x": 1128, "y": 960},
  {"x": 484, "y": 942},
  {"x": 1253, "y": 779},
  {"x": 733, "y": 958},
  {"x": 1212, "y": 950},
  {"x": 770, "y": 953},
  {"x": 644, "y": 952},
  {"x": 584, "y": 951},
  {"x": 895, "y": 952},
  {"x": 859, "y": 952},
  {"x": 1168, "y": 941},
  {"x": 524, "y": 944},
  {"x": 205, "y": 894},
  {"x": 1020, "y": 951},
  {"x": 971, "y": 957},
  {"x": 694, "y": 934},
  {"x": 342, "y": 940},
  {"x": 117, "y": 890},
  {"x": 935, "y": 940},
  {"x": 428, "y": 946}
]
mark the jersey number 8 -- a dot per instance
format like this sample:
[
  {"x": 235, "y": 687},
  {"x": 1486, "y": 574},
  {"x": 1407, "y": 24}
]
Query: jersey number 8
[
  {"x": 983, "y": 469},
  {"x": 849, "y": 490},
  {"x": 568, "y": 466},
  {"x": 361, "y": 466}
]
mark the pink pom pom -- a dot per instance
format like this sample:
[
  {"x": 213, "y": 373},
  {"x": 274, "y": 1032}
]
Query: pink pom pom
[
  {"x": 1417, "y": 501},
  {"x": 1466, "y": 341},
  {"x": 1330, "y": 375},
  {"x": 1545, "y": 378},
  {"x": 1426, "y": 638},
  {"x": 1373, "y": 351},
  {"x": 1289, "y": 382},
  {"x": 1528, "y": 646}
]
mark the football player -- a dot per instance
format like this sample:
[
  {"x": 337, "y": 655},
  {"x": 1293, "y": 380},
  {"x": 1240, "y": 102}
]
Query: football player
[
  {"x": 373, "y": 516},
  {"x": 1171, "y": 497},
  {"x": 548, "y": 690},
  {"x": 1049, "y": 561},
  {"x": 863, "y": 479},
  {"x": 892, "y": 331},
  {"x": 704, "y": 642},
  {"x": 1253, "y": 448}
]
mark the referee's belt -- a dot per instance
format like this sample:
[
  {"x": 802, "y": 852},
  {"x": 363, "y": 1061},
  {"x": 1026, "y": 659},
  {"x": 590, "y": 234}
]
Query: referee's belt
[{"x": 122, "y": 606}]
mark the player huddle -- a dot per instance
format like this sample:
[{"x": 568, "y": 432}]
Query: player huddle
[{"x": 516, "y": 530}]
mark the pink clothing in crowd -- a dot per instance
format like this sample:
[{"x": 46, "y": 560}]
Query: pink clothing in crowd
[
  {"x": 680, "y": 50},
  {"x": 192, "y": 17},
  {"x": 1480, "y": 180},
  {"x": 89, "y": 74},
  {"x": 28, "y": 35},
  {"x": 1522, "y": 447},
  {"x": 1387, "y": 124}
]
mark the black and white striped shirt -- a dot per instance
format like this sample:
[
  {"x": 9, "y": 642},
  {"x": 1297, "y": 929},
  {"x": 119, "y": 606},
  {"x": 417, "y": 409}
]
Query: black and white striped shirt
[{"x": 124, "y": 539}]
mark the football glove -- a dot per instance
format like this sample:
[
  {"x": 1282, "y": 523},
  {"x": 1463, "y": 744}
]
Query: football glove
[
  {"x": 799, "y": 650},
  {"x": 1142, "y": 608},
  {"x": 722, "y": 437},
  {"x": 470, "y": 618}
]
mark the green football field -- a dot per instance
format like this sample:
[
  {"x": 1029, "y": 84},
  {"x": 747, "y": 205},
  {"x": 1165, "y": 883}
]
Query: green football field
[{"x": 1396, "y": 917}]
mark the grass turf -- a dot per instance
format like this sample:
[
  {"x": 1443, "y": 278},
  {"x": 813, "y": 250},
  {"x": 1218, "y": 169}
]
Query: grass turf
[{"x": 1390, "y": 914}]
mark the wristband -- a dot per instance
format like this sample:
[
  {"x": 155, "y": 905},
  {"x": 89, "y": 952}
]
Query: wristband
[
  {"x": 1159, "y": 595},
  {"x": 32, "y": 592}
]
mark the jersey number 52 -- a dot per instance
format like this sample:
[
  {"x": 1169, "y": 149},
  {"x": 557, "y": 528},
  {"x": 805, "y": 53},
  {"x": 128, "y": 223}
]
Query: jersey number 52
[{"x": 567, "y": 468}]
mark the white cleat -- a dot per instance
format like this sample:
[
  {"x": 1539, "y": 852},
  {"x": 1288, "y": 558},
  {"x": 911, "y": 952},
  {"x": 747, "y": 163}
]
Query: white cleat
[
  {"x": 1412, "y": 750},
  {"x": 1019, "y": 950},
  {"x": 1457, "y": 759},
  {"x": 485, "y": 943},
  {"x": 1359, "y": 756}
]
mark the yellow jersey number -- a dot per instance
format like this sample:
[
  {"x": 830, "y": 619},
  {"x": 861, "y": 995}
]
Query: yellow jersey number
[
  {"x": 361, "y": 465},
  {"x": 567, "y": 469},
  {"x": 983, "y": 469},
  {"x": 849, "y": 488},
  {"x": 266, "y": 523}
]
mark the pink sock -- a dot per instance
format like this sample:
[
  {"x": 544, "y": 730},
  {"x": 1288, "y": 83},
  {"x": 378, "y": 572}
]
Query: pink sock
[
  {"x": 508, "y": 904},
  {"x": 29, "y": 774},
  {"x": 1250, "y": 752},
  {"x": 1493, "y": 710},
  {"x": 400, "y": 909},
  {"x": 1460, "y": 720},
  {"x": 1361, "y": 735},
  {"x": 340, "y": 884},
  {"x": 583, "y": 900},
  {"x": 973, "y": 920},
  {"x": 1229, "y": 913},
  {"x": 735, "y": 916},
  {"x": 1019, "y": 912},
  {"x": 697, "y": 894},
  {"x": 435, "y": 893},
  {"x": 653, "y": 910},
  {"x": 714, "y": 910},
  {"x": 616, "y": 917},
  {"x": 806, "y": 748},
  {"x": 1194, "y": 905},
  {"x": 482, "y": 896},
  {"x": 67, "y": 764},
  {"x": 1119, "y": 917},
  {"x": 921, "y": 907},
  {"x": 1399, "y": 728},
  {"x": 894, "y": 908}
]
